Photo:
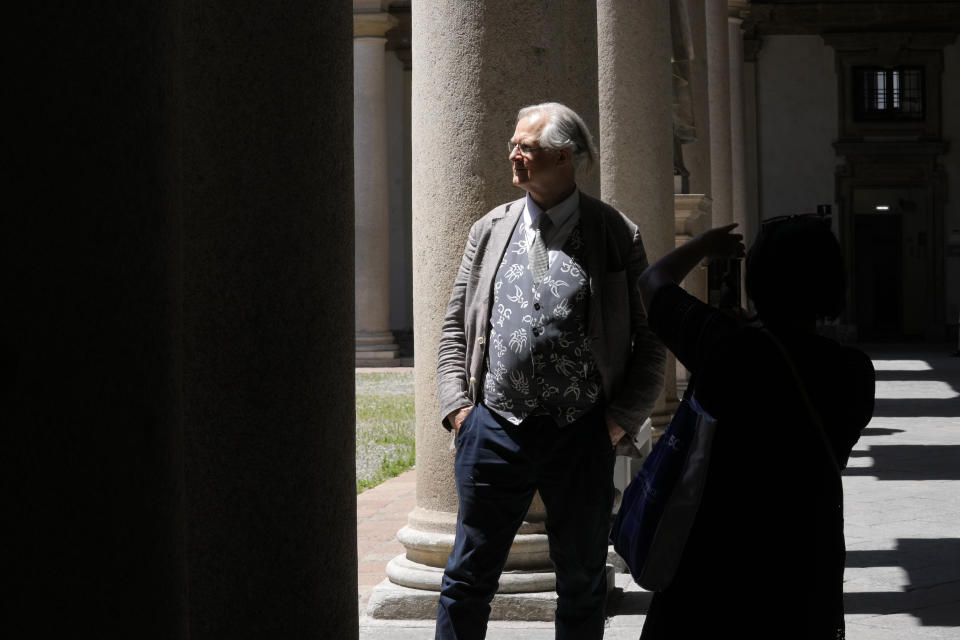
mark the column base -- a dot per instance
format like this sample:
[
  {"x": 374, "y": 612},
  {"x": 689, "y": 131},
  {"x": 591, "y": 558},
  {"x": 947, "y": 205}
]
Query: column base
[
  {"x": 375, "y": 349},
  {"x": 390, "y": 601},
  {"x": 407, "y": 573},
  {"x": 530, "y": 551}
]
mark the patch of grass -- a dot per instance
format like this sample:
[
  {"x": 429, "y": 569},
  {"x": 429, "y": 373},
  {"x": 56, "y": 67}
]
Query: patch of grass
[
  {"x": 390, "y": 466},
  {"x": 385, "y": 426}
]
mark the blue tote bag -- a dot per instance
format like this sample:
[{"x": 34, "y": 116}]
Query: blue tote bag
[{"x": 660, "y": 503}]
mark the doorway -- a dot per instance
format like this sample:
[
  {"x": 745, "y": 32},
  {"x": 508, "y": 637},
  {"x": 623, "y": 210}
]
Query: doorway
[{"x": 891, "y": 263}]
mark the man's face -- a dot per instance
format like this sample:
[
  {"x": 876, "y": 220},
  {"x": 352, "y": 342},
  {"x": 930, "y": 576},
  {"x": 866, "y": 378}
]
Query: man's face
[{"x": 534, "y": 169}]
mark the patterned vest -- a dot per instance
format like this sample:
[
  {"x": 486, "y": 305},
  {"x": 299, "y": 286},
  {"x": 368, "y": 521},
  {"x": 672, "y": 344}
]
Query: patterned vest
[{"x": 539, "y": 352}]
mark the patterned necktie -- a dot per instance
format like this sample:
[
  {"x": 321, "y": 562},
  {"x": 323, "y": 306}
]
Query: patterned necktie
[{"x": 538, "y": 257}]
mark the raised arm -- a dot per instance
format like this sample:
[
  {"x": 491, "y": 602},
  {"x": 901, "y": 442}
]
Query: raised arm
[{"x": 674, "y": 266}]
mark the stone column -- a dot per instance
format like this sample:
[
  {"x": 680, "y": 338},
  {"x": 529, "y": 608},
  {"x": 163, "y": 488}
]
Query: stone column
[
  {"x": 751, "y": 49},
  {"x": 636, "y": 128},
  {"x": 177, "y": 335},
  {"x": 718, "y": 70},
  {"x": 738, "y": 167},
  {"x": 268, "y": 320},
  {"x": 692, "y": 217},
  {"x": 696, "y": 155},
  {"x": 400, "y": 165},
  {"x": 91, "y": 401},
  {"x": 375, "y": 341},
  {"x": 476, "y": 58}
]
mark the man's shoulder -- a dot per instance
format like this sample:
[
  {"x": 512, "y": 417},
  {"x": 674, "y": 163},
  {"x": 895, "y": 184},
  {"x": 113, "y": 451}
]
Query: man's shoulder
[
  {"x": 498, "y": 212},
  {"x": 506, "y": 207}
]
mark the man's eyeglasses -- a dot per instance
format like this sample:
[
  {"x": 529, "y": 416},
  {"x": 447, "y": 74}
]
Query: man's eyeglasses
[
  {"x": 525, "y": 149},
  {"x": 822, "y": 217}
]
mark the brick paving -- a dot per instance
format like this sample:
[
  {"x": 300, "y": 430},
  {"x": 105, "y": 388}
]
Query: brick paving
[{"x": 381, "y": 512}]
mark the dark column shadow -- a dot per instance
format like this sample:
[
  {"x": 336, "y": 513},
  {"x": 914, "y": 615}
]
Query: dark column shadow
[
  {"x": 879, "y": 431},
  {"x": 934, "y": 374},
  {"x": 628, "y": 603},
  {"x": 916, "y": 408},
  {"x": 933, "y": 592},
  {"x": 909, "y": 462}
]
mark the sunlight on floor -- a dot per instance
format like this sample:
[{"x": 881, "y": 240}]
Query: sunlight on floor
[
  {"x": 902, "y": 365},
  {"x": 915, "y": 390}
]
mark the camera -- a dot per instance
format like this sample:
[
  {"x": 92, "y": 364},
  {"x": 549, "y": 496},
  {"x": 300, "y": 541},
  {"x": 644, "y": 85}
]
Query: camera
[{"x": 723, "y": 283}]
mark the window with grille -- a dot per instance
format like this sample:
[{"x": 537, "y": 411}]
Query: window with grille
[{"x": 888, "y": 93}]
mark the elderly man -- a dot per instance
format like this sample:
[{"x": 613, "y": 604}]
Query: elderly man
[{"x": 546, "y": 366}]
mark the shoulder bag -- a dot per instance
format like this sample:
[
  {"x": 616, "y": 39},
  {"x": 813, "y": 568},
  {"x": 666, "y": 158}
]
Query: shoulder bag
[{"x": 661, "y": 502}]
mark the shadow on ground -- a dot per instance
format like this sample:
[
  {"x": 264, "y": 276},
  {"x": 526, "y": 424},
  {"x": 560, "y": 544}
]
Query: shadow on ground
[{"x": 933, "y": 590}]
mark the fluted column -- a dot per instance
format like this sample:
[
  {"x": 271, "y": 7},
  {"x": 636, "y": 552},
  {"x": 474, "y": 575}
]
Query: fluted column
[
  {"x": 718, "y": 70},
  {"x": 371, "y": 188},
  {"x": 636, "y": 130},
  {"x": 475, "y": 63}
]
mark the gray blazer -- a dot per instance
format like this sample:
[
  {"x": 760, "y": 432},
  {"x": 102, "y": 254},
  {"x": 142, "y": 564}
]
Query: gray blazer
[{"x": 629, "y": 356}]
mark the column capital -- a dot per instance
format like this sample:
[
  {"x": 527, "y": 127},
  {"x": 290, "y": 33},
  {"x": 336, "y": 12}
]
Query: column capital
[
  {"x": 398, "y": 39},
  {"x": 373, "y": 25},
  {"x": 738, "y": 9}
]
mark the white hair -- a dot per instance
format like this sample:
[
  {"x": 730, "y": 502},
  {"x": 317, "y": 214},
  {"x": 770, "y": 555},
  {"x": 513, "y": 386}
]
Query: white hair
[{"x": 564, "y": 129}]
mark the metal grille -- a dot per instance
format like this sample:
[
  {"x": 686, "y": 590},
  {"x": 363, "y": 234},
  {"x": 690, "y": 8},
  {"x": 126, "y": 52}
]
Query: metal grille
[{"x": 889, "y": 94}]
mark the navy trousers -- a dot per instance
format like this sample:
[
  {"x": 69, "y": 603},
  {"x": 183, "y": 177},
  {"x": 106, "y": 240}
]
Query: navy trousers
[{"x": 498, "y": 468}]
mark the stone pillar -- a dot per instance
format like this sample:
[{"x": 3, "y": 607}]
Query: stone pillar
[
  {"x": 177, "y": 335},
  {"x": 751, "y": 48},
  {"x": 738, "y": 167},
  {"x": 479, "y": 55},
  {"x": 90, "y": 334},
  {"x": 696, "y": 155},
  {"x": 718, "y": 70},
  {"x": 268, "y": 320},
  {"x": 374, "y": 341},
  {"x": 636, "y": 130},
  {"x": 692, "y": 217},
  {"x": 399, "y": 77}
]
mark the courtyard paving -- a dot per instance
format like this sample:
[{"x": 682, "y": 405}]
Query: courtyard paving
[{"x": 902, "y": 509}]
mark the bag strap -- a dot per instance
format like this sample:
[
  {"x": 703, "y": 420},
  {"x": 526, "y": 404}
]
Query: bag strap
[{"x": 814, "y": 414}]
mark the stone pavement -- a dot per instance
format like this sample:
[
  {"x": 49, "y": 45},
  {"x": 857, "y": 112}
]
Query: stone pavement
[{"x": 902, "y": 510}]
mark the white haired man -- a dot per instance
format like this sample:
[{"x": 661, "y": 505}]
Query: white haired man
[{"x": 546, "y": 368}]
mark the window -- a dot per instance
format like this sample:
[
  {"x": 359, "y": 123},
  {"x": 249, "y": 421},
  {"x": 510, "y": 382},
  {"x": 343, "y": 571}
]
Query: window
[{"x": 888, "y": 93}]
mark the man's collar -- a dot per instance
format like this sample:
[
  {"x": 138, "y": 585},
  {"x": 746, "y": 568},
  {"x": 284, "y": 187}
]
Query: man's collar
[{"x": 558, "y": 214}]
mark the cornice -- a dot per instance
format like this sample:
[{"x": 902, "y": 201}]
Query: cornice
[
  {"x": 891, "y": 148},
  {"x": 896, "y": 40},
  {"x": 738, "y": 8},
  {"x": 802, "y": 17}
]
